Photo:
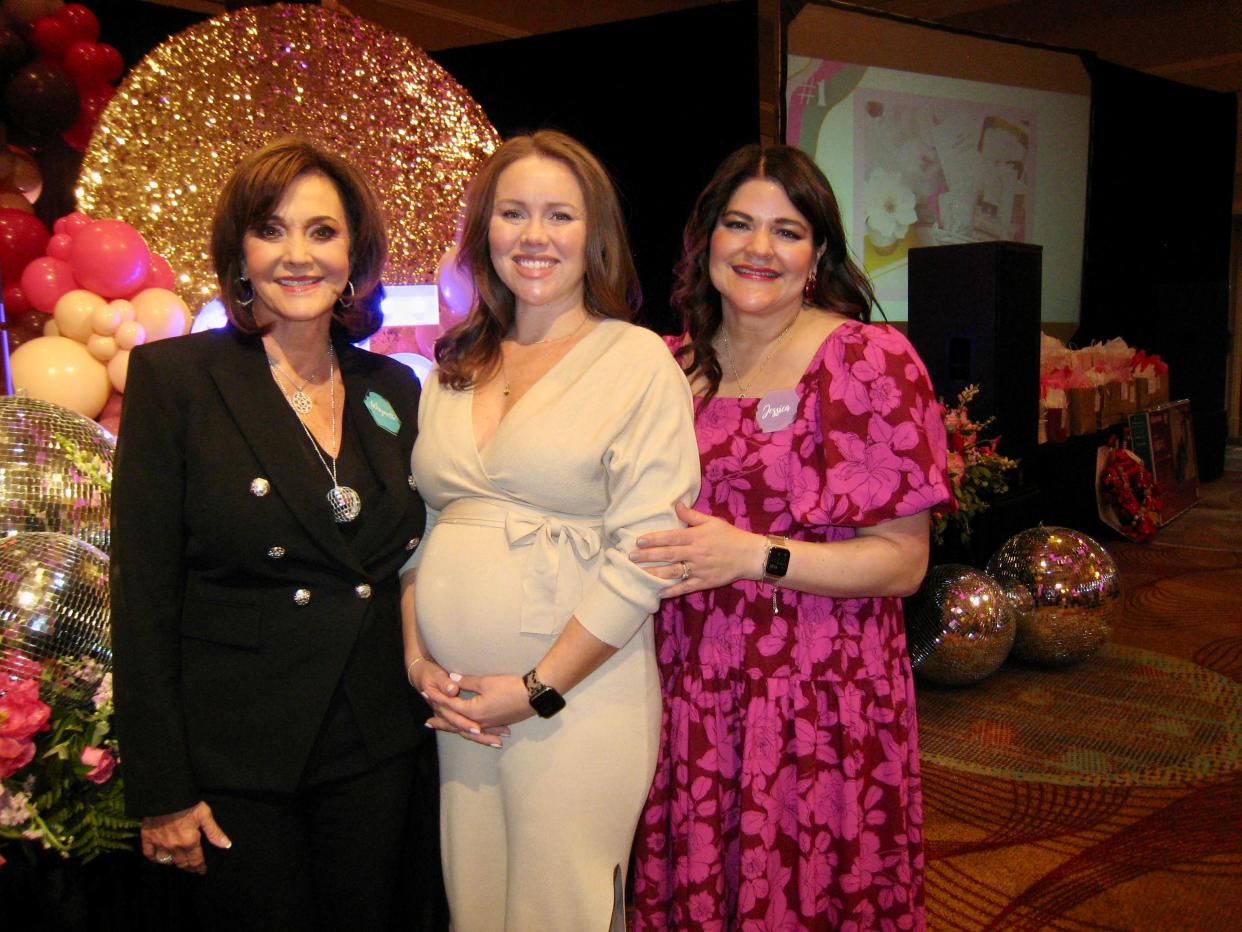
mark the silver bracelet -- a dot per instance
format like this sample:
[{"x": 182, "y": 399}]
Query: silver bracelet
[{"x": 409, "y": 670}]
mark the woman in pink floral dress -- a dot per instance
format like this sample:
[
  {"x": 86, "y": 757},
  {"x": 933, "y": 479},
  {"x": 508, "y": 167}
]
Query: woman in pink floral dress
[{"x": 787, "y": 792}]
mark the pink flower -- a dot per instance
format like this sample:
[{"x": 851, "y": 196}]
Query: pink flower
[
  {"x": 101, "y": 762},
  {"x": 22, "y": 715}
]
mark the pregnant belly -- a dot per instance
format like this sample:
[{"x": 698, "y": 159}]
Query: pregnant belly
[{"x": 468, "y": 601}]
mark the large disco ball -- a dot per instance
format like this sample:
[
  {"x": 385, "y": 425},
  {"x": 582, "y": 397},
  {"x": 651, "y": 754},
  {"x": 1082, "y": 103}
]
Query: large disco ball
[
  {"x": 54, "y": 613},
  {"x": 959, "y": 626},
  {"x": 41, "y": 487},
  {"x": 1074, "y": 588}
]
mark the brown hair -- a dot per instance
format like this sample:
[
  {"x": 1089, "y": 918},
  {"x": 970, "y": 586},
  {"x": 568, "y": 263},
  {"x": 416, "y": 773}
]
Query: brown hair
[
  {"x": 254, "y": 191},
  {"x": 469, "y": 353},
  {"x": 840, "y": 284}
]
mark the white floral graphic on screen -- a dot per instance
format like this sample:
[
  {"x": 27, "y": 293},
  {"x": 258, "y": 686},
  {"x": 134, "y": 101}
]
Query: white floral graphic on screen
[{"x": 888, "y": 204}]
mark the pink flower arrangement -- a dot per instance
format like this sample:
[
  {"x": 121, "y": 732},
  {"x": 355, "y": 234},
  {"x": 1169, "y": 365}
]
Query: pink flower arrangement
[
  {"x": 976, "y": 471},
  {"x": 59, "y": 785}
]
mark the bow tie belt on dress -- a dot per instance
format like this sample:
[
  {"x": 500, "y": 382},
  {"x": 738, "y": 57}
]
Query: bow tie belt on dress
[{"x": 564, "y": 551}]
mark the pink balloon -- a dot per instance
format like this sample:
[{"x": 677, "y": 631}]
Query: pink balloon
[
  {"x": 110, "y": 416},
  {"x": 425, "y": 335},
  {"x": 110, "y": 258},
  {"x": 71, "y": 223},
  {"x": 45, "y": 280},
  {"x": 59, "y": 245},
  {"x": 455, "y": 287},
  {"x": 161, "y": 274}
]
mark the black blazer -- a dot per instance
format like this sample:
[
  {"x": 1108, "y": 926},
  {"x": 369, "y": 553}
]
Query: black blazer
[{"x": 219, "y": 531}]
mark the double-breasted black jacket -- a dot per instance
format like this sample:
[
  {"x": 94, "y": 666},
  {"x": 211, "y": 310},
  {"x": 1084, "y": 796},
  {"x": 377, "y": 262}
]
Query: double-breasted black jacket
[{"x": 237, "y": 605}]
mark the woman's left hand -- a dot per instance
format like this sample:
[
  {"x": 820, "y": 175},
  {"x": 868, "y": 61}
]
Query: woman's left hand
[
  {"x": 497, "y": 700},
  {"x": 715, "y": 552}
]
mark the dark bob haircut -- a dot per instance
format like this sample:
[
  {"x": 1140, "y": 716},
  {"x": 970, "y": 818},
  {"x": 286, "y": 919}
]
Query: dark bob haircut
[{"x": 255, "y": 190}]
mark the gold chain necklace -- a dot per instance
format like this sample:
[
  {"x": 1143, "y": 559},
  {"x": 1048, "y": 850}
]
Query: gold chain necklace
[
  {"x": 504, "y": 375},
  {"x": 743, "y": 391}
]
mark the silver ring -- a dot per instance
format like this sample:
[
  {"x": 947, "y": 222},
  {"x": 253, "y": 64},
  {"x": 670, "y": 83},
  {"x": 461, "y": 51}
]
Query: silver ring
[
  {"x": 685, "y": 570},
  {"x": 165, "y": 859}
]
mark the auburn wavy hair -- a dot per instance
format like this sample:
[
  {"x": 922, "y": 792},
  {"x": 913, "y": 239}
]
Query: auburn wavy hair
[
  {"x": 840, "y": 285},
  {"x": 469, "y": 353},
  {"x": 251, "y": 194}
]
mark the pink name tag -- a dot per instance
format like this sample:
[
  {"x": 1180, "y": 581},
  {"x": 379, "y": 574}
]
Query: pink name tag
[{"x": 776, "y": 409}]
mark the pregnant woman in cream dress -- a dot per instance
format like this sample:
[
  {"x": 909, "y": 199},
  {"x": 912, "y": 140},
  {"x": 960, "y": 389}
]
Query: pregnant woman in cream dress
[{"x": 552, "y": 435}]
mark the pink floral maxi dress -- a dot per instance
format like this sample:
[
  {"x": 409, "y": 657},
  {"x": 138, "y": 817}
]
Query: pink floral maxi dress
[{"x": 787, "y": 791}]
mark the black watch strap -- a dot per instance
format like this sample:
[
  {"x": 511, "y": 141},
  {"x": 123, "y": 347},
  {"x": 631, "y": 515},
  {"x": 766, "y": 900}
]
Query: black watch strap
[{"x": 545, "y": 700}]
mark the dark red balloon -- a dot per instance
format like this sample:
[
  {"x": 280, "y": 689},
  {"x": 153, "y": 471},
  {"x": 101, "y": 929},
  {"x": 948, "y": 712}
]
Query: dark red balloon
[
  {"x": 15, "y": 303},
  {"x": 13, "y": 50},
  {"x": 23, "y": 237},
  {"x": 41, "y": 99},
  {"x": 113, "y": 65},
  {"x": 83, "y": 64},
  {"x": 94, "y": 99},
  {"x": 51, "y": 36},
  {"x": 82, "y": 23}
]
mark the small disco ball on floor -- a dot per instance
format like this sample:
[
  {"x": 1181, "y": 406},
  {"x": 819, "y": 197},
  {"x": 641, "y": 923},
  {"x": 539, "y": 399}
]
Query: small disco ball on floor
[
  {"x": 960, "y": 626},
  {"x": 42, "y": 488},
  {"x": 1074, "y": 590},
  {"x": 54, "y": 613}
]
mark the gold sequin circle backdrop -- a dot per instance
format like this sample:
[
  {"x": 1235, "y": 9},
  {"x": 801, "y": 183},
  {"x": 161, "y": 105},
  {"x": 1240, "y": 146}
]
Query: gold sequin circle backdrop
[{"x": 197, "y": 104}]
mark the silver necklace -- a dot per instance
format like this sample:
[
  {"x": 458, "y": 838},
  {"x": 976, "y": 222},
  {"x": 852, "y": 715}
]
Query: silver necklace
[
  {"x": 743, "y": 391},
  {"x": 345, "y": 502},
  {"x": 299, "y": 400},
  {"x": 504, "y": 375}
]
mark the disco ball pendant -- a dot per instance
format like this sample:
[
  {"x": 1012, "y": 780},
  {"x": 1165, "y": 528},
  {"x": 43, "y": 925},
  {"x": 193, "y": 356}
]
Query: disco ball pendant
[{"x": 346, "y": 503}]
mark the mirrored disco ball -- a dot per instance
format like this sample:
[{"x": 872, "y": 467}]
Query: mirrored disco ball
[
  {"x": 1074, "y": 588},
  {"x": 959, "y": 625},
  {"x": 41, "y": 488},
  {"x": 54, "y": 613}
]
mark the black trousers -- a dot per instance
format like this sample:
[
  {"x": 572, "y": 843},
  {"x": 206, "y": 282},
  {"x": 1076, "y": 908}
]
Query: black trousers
[{"x": 325, "y": 857}]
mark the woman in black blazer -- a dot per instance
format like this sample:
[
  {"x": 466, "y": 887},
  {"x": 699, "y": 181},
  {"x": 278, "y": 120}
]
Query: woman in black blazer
[{"x": 262, "y": 505}]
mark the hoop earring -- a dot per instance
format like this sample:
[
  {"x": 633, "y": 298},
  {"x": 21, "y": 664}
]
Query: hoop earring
[
  {"x": 341, "y": 300},
  {"x": 243, "y": 282}
]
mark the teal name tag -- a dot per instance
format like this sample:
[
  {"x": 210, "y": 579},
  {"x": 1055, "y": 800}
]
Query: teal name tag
[{"x": 382, "y": 412}]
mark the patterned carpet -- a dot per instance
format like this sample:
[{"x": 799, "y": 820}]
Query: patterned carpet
[{"x": 1107, "y": 796}]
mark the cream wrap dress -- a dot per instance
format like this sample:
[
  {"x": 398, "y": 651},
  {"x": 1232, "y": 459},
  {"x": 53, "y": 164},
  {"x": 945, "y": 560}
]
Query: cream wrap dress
[{"x": 522, "y": 535}]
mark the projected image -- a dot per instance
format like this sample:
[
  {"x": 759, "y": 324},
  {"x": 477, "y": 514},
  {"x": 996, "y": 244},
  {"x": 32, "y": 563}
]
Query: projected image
[
  {"x": 924, "y": 160},
  {"x": 934, "y": 171}
]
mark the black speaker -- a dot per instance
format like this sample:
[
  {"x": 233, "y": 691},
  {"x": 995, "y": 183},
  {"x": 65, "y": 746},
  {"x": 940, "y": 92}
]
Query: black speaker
[{"x": 974, "y": 318}]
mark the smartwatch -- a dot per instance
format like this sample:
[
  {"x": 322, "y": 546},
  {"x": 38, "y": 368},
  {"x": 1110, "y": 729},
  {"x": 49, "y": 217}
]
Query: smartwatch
[
  {"x": 545, "y": 700},
  {"x": 775, "y": 566}
]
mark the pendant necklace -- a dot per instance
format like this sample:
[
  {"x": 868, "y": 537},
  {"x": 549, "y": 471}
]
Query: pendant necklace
[
  {"x": 505, "y": 375},
  {"x": 299, "y": 400},
  {"x": 743, "y": 391},
  {"x": 345, "y": 502}
]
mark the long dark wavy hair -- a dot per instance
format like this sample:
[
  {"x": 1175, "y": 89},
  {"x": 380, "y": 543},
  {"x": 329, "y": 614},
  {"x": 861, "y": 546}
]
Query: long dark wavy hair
[
  {"x": 840, "y": 284},
  {"x": 469, "y": 353},
  {"x": 246, "y": 203}
]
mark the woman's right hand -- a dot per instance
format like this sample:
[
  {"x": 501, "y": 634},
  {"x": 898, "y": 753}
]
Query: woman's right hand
[
  {"x": 175, "y": 839},
  {"x": 435, "y": 685}
]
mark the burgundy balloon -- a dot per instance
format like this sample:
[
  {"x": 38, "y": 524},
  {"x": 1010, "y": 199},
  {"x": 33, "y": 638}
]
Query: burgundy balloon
[
  {"x": 82, "y": 23},
  {"x": 112, "y": 64},
  {"x": 51, "y": 36},
  {"x": 15, "y": 302},
  {"x": 23, "y": 237},
  {"x": 41, "y": 99}
]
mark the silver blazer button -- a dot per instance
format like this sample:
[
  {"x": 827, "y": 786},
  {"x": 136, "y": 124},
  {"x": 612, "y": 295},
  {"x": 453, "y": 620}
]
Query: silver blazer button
[
  {"x": 259, "y": 487},
  {"x": 362, "y": 590},
  {"x": 276, "y": 553},
  {"x": 301, "y": 596},
  {"x": 413, "y": 542},
  {"x": 413, "y": 483}
]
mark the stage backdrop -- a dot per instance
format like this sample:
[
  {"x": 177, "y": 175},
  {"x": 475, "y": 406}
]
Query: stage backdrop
[{"x": 661, "y": 100}]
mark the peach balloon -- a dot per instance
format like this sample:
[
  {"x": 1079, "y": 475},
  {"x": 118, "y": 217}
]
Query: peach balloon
[
  {"x": 50, "y": 329},
  {"x": 130, "y": 334},
  {"x": 110, "y": 416},
  {"x": 16, "y": 201},
  {"x": 126, "y": 309},
  {"x": 75, "y": 312},
  {"x": 107, "y": 319},
  {"x": 161, "y": 313},
  {"x": 118, "y": 369},
  {"x": 101, "y": 347},
  {"x": 61, "y": 371}
]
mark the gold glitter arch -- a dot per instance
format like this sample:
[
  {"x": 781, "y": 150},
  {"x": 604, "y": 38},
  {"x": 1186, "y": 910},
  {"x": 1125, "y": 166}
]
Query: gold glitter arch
[{"x": 197, "y": 104}]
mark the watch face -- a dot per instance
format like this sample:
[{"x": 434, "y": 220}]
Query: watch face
[
  {"x": 547, "y": 703},
  {"x": 778, "y": 562}
]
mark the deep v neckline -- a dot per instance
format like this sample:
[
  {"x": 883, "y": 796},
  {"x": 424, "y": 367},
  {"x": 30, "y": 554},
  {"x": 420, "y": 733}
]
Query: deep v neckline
[{"x": 481, "y": 449}]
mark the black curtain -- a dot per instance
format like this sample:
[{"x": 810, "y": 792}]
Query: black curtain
[
  {"x": 661, "y": 100},
  {"x": 1159, "y": 215}
]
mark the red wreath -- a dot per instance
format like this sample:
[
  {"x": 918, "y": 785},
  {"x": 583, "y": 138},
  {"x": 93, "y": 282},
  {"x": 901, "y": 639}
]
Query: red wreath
[{"x": 1128, "y": 487}]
